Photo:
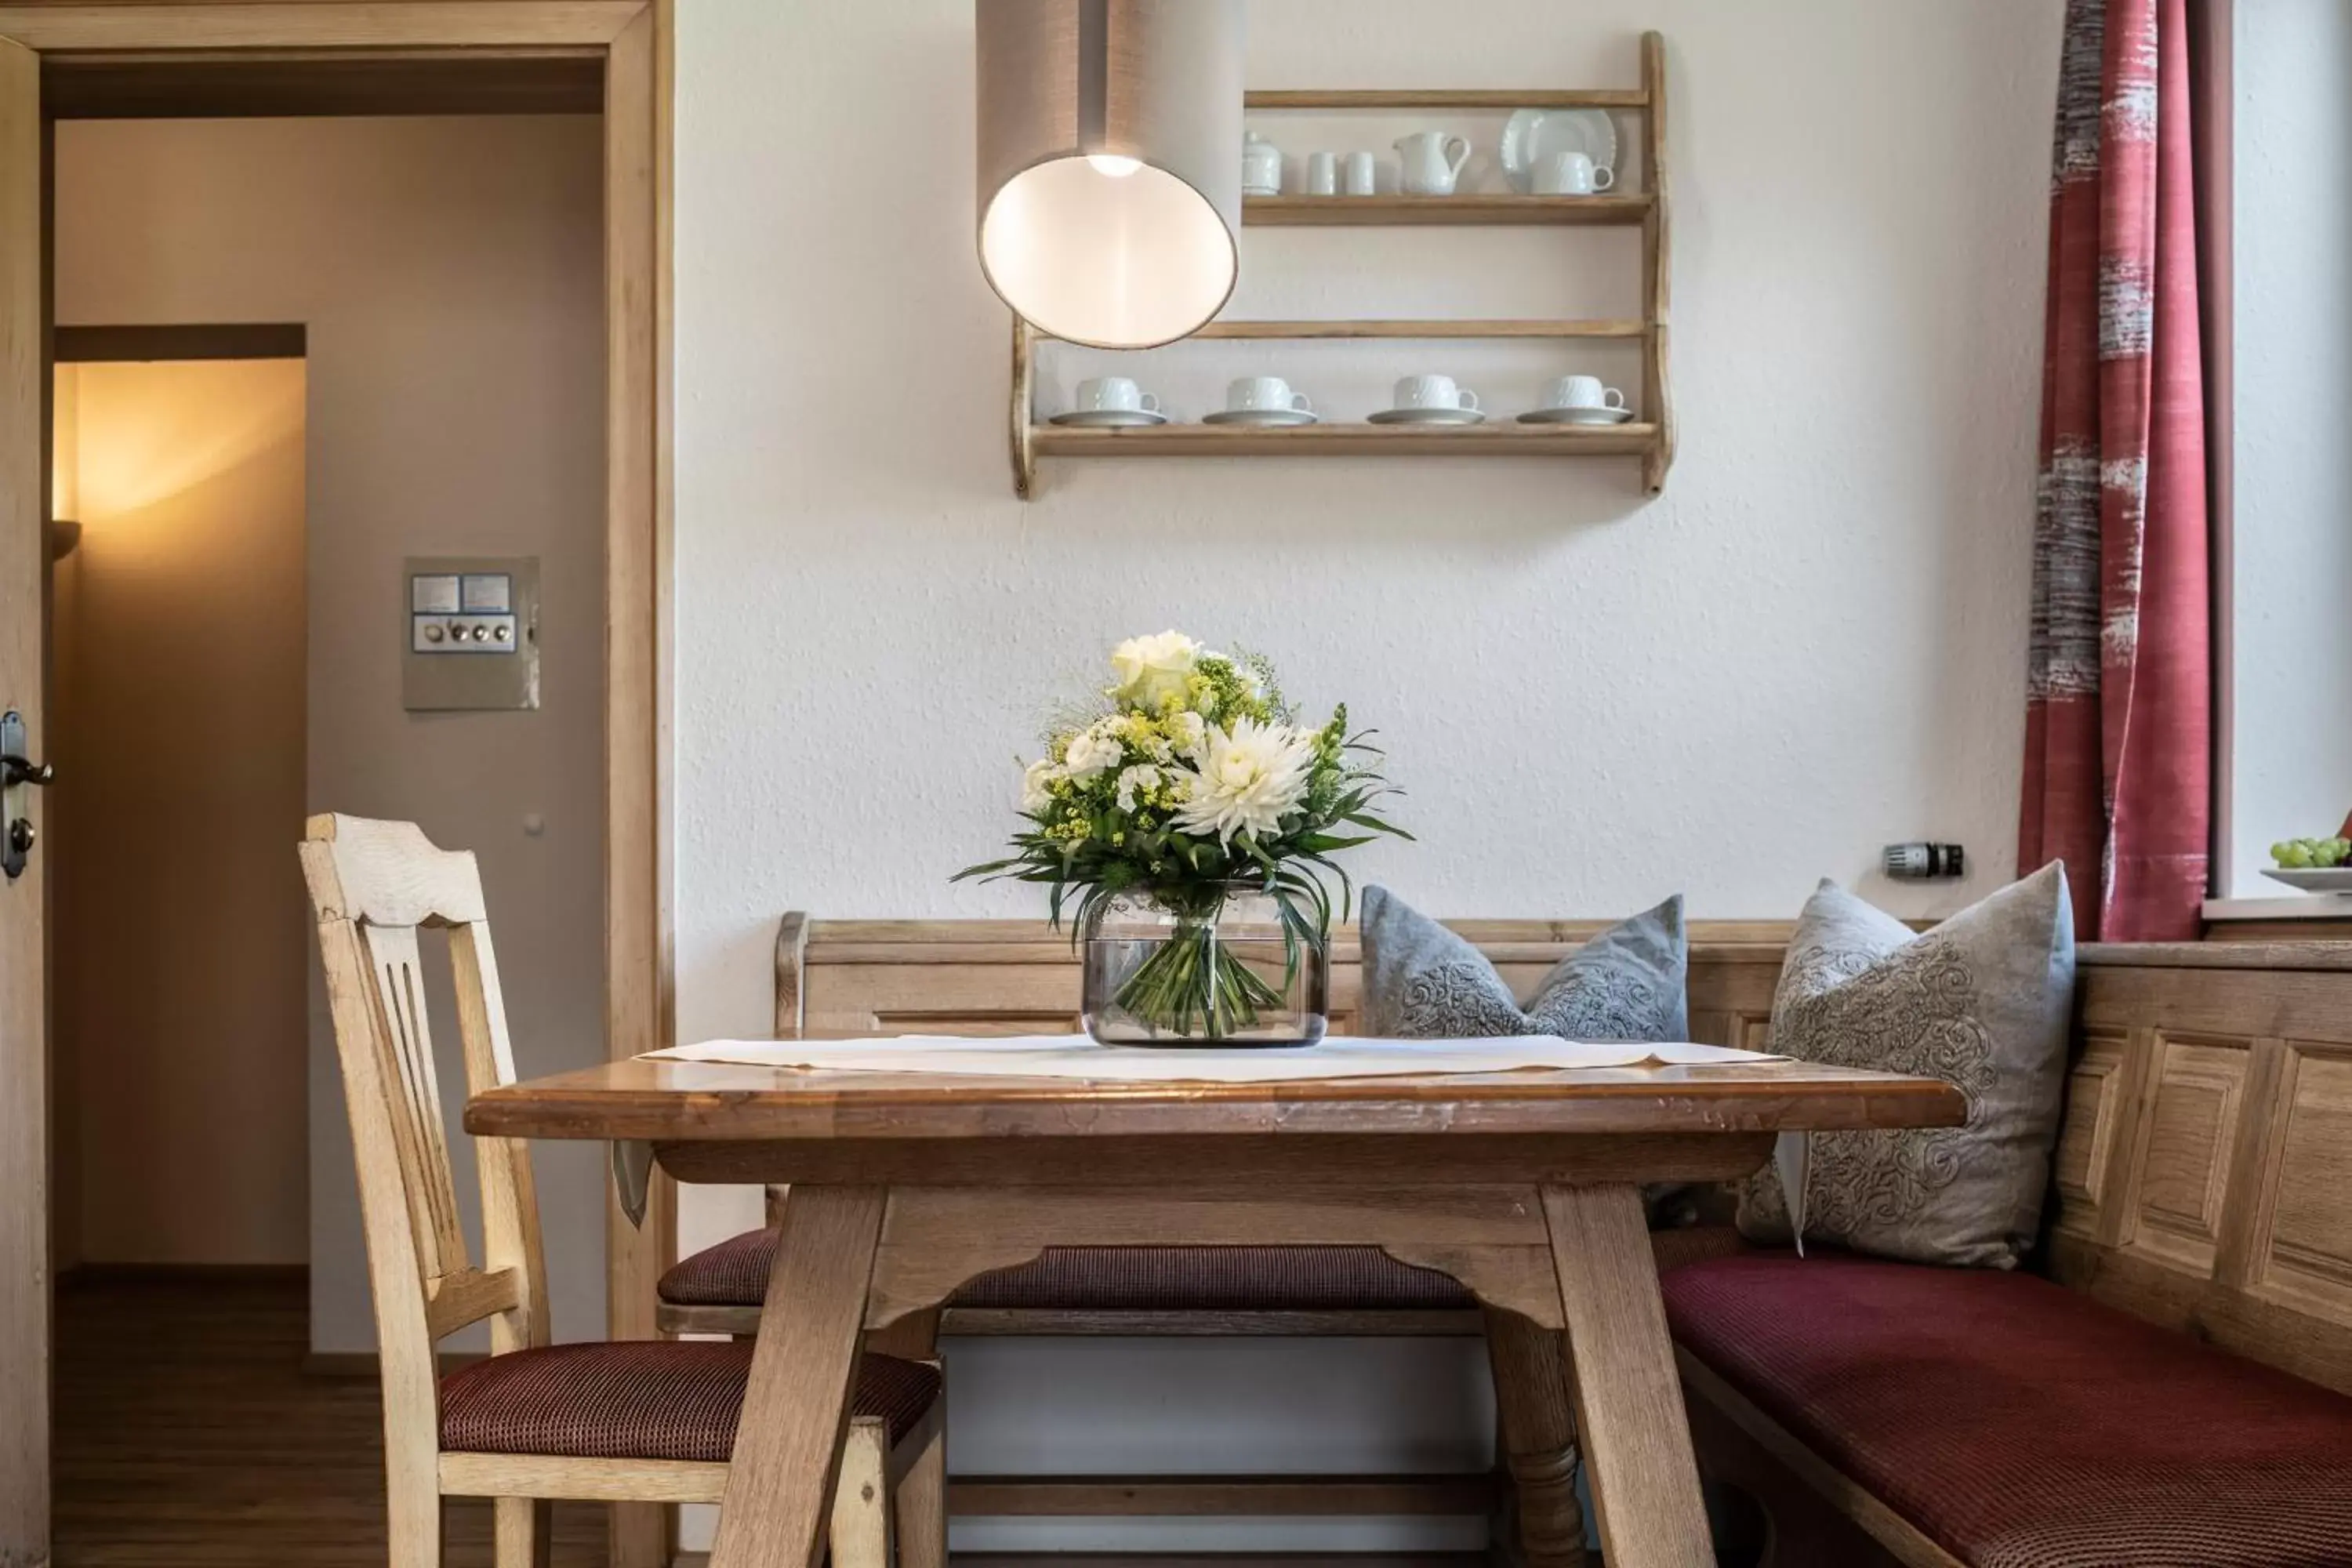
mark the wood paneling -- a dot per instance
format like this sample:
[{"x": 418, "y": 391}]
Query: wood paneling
[
  {"x": 2187, "y": 1133},
  {"x": 2207, "y": 1144},
  {"x": 2086, "y": 1143},
  {"x": 2304, "y": 1249}
]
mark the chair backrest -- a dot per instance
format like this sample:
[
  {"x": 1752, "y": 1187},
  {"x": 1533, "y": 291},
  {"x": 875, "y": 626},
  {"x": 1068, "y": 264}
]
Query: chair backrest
[{"x": 373, "y": 885}]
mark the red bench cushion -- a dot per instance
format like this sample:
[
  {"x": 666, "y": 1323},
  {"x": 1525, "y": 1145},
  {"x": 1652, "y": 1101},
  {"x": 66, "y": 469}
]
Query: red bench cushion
[
  {"x": 2018, "y": 1425},
  {"x": 641, "y": 1399},
  {"x": 1125, "y": 1279}
]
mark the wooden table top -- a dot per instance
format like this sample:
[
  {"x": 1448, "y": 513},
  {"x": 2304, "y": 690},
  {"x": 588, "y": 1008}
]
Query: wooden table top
[{"x": 672, "y": 1102}]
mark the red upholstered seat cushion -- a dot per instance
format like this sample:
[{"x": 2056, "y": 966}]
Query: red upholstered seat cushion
[
  {"x": 2019, "y": 1425},
  {"x": 640, "y": 1399},
  {"x": 1129, "y": 1278}
]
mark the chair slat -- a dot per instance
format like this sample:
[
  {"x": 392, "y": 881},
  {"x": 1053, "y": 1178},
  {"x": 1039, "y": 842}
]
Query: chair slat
[{"x": 405, "y": 1039}]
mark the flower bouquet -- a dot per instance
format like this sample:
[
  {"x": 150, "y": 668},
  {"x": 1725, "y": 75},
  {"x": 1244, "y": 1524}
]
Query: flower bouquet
[{"x": 1194, "y": 820}]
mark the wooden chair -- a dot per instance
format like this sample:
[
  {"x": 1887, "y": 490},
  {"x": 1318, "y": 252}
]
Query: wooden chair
[{"x": 636, "y": 1422}]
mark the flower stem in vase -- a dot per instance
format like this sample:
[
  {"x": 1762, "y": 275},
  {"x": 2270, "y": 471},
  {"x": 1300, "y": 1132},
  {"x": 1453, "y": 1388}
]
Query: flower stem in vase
[{"x": 1192, "y": 979}]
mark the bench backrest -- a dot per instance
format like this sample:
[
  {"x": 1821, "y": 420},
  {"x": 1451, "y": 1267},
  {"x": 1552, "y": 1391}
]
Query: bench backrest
[{"x": 2204, "y": 1173}]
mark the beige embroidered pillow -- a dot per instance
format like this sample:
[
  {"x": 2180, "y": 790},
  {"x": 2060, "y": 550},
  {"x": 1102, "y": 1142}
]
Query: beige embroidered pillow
[{"x": 1982, "y": 1002}]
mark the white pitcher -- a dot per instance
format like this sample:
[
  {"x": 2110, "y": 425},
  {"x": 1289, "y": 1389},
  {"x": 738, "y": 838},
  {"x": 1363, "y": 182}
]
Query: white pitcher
[{"x": 1431, "y": 162}]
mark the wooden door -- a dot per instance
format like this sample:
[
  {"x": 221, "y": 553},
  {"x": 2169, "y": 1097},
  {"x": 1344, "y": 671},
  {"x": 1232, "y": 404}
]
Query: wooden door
[{"x": 24, "y": 1029}]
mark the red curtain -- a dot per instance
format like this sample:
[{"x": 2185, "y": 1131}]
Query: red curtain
[{"x": 2118, "y": 760}]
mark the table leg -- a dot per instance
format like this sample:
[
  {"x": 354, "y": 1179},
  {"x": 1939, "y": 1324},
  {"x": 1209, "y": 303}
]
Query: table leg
[
  {"x": 1538, "y": 1438},
  {"x": 788, "y": 1447},
  {"x": 1629, "y": 1401}
]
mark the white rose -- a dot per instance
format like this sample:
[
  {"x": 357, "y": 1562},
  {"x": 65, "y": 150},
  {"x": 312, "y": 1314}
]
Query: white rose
[
  {"x": 1154, "y": 668},
  {"x": 1090, "y": 752},
  {"x": 1040, "y": 774}
]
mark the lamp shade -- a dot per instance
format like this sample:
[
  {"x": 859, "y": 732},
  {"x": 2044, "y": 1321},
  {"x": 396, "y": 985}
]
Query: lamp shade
[{"x": 1110, "y": 164}]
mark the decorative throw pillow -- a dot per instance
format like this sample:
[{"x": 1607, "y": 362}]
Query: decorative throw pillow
[
  {"x": 1422, "y": 981},
  {"x": 1982, "y": 1002}
]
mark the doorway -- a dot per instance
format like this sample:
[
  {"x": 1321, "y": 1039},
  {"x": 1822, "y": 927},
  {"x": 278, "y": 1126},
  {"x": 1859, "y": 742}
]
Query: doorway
[
  {"x": 279, "y": 57},
  {"x": 176, "y": 726}
]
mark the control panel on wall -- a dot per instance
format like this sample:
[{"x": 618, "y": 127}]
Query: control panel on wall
[{"x": 472, "y": 628}]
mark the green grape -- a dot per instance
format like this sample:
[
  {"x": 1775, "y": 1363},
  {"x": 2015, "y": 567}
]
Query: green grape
[
  {"x": 2278, "y": 851},
  {"x": 2295, "y": 859}
]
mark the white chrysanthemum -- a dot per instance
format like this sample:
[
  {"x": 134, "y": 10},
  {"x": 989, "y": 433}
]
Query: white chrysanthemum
[
  {"x": 1092, "y": 752},
  {"x": 1041, "y": 773},
  {"x": 1154, "y": 668},
  {"x": 1249, "y": 779}
]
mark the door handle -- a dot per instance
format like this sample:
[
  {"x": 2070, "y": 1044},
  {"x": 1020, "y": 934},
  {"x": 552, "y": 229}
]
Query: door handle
[{"x": 16, "y": 771}]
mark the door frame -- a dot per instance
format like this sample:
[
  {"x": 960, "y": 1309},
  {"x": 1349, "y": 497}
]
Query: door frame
[{"x": 633, "y": 37}]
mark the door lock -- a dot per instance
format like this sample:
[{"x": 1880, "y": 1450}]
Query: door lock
[{"x": 16, "y": 772}]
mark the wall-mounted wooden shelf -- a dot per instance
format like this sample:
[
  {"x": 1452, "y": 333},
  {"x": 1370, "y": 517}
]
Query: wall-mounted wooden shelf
[
  {"x": 1501, "y": 438},
  {"x": 1652, "y": 440},
  {"x": 1424, "y": 331},
  {"x": 1473, "y": 209}
]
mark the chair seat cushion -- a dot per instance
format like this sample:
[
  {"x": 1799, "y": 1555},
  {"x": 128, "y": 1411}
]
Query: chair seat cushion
[
  {"x": 640, "y": 1399},
  {"x": 2018, "y": 1425},
  {"x": 1125, "y": 1279}
]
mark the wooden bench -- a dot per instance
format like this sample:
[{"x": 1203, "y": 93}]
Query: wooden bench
[{"x": 2203, "y": 1184}]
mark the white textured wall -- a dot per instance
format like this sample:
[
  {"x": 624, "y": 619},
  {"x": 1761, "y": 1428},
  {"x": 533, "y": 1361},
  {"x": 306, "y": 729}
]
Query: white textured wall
[
  {"x": 450, "y": 272},
  {"x": 2293, "y": 769},
  {"x": 1814, "y": 644}
]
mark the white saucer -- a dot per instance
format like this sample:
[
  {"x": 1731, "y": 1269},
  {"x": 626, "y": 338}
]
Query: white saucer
[
  {"x": 1429, "y": 416},
  {"x": 1576, "y": 416},
  {"x": 1110, "y": 418},
  {"x": 1271, "y": 418}
]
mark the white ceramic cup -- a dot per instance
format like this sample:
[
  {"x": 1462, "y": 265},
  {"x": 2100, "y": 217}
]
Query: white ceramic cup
[
  {"x": 1434, "y": 392},
  {"x": 1115, "y": 395},
  {"x": 1363, "y": 174},
  {"x": 1265, "y": 394},
  {"x": 1572, "y": 174},
  {"x": 1322, "y": 174},
  {"x": 1582, "y": 392}
]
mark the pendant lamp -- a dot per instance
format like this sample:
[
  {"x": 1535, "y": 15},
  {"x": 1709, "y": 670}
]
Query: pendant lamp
[{"x": 1110, "y": 164}]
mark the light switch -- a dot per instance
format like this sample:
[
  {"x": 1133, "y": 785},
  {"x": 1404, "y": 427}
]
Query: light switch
[{"x": 472, "y": 634}]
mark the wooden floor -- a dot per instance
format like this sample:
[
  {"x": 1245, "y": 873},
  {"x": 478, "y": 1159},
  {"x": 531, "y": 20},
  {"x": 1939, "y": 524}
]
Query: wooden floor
[{"x": 187, "y": 1433}]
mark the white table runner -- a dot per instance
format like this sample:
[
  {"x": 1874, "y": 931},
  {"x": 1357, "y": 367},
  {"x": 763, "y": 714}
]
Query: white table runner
[{"x": 1078, "y": 1056}]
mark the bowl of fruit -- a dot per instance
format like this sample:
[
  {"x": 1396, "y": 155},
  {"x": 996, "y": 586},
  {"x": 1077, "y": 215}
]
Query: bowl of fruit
[{"x": 2315, "y": 865}]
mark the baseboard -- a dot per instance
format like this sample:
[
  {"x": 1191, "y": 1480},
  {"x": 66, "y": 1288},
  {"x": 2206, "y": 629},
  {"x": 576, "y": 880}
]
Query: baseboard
[{"x": 367, "y": 1365}]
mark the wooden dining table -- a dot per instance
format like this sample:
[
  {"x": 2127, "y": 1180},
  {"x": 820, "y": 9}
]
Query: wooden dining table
[{"x": 896, "y": 1188}]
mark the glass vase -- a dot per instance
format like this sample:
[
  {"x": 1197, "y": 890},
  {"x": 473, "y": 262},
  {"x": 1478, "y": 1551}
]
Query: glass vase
[{"x": 1216, "y": 967}]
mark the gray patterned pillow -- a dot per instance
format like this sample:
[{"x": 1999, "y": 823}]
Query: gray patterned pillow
[
  {"x": 1982, "y": 1002},
  {"x": 1422, "y": 981}
]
